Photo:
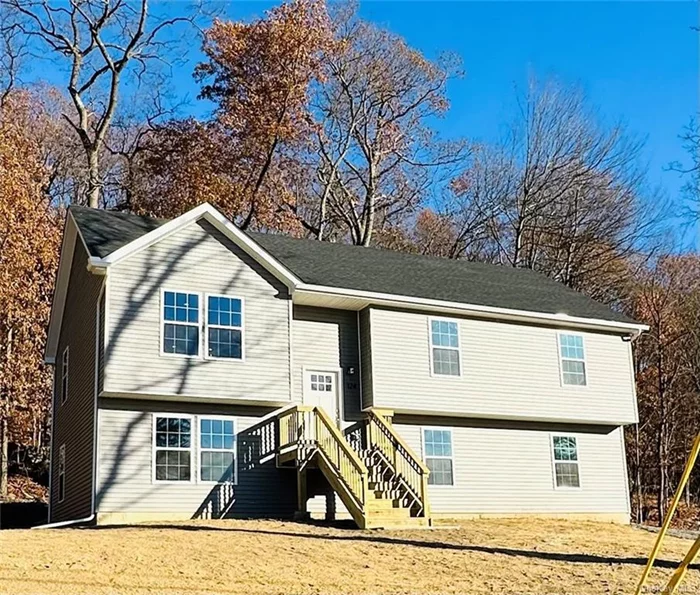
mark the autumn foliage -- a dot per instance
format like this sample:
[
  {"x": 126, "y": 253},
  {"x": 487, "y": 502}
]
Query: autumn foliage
[{"x": 29, "y": 240}]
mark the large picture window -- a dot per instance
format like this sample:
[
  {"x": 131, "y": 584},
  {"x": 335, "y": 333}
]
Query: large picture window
[
  {"x": 573, "y": 360},
  {"x": 217, "y": 450},
  {"x": 444, "y": 344},
  {"x": 172, "y": 445},
  {"x": 180, "y": 318},
  {"x": 566, "y": 470},
  {"x": 224, "y": 327},
  {"x": 437, "y": 448}
]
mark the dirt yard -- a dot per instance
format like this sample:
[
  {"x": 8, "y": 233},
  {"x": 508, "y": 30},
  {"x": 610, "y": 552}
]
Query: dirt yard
[{"x": 251, "y": 557}]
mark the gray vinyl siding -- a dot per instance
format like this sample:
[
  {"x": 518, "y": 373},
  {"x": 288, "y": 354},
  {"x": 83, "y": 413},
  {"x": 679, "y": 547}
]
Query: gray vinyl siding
[
  {"x": 509, "y": 470},
  {"x": 323, "y": 338},
  {"x": 196, "y": 259},
  {"x": 125, "y": 471},
  {"x": 366, "y": 357},
  {"x": 508, "y": 371},
  {"x": 73, "y": 423}
]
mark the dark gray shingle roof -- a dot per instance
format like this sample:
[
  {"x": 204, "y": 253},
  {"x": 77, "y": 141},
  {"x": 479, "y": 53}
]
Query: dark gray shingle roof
[{"x": 378, "y": 270}]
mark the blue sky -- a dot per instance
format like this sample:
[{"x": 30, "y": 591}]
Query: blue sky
[{"x": 636, "y": 61}]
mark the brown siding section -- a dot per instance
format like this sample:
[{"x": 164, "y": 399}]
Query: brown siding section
[{"x": 74, "y": 419}]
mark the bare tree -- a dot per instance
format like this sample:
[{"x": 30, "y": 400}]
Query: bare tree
[
  {"x": 102, "y": 42},
  {"x": 561, "y": 194},
  {"x": 377, "y": 157}
]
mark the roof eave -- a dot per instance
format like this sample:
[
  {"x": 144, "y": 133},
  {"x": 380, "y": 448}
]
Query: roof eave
[{"x": 447, "y": 307}]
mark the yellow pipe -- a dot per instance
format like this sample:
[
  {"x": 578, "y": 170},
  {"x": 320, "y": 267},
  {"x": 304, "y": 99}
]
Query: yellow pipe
[
  {"x": 671, "y": 511},
  {"x": 682, "y": 569}
]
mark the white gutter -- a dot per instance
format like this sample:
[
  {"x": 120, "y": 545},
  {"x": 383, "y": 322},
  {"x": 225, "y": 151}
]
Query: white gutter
[
  {"x": 560, "y": 319},
  {"x": 66, "y": 523}
]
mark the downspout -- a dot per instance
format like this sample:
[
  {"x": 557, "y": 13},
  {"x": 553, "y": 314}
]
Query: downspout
[{"x": 60, "y": 524}]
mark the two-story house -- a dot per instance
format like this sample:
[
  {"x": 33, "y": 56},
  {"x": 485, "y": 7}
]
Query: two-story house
[{"x": 201, "y": 371}]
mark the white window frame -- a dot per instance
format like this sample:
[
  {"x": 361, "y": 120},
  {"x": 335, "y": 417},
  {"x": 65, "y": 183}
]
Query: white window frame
[
  {"x": 200, "y": 449},
  {"x": 562, "y": 359},
  {"x": 62, "y": 472},
  {"x": 163, "y": 322},
  {"x": 207, "y": 326},
  {"x": 554, "y": 462},
  {"x": 65, "y": 367},
  {"x": 452, "y": 458},
  {"x": 191, "y": 449},
  {"x": 458, "y": 349}
]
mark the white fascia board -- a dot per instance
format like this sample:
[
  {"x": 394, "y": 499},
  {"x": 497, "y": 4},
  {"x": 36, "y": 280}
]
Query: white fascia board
[
  {"x": 218, "y": 220},
  {"x": 70, "y": 233},
  {"x": 477, "y": 310}
]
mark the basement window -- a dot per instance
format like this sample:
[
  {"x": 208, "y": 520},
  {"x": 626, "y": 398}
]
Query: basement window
[
  {"x": 180, "y": 323},
  {"x": 172, "y": 447},
  {"x": 573, "y": 360},
  {"x": 217, "y": 450},
  {"x": 437, "y": 451},
  {"x": 62, "y": 473},
  {"x": 566, "y": 469},
  {"x": 444, "y": 347}
]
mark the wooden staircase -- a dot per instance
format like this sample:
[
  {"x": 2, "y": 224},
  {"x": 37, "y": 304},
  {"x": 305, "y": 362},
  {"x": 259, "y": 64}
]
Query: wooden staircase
[{"x": 378, "y": 478}]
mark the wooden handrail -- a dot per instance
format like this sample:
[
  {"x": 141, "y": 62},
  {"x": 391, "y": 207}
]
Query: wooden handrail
[
  {"x": 400, "y": 440},
  {"x": 311, "y": 428},
  {"x": 406, "y": 464},
  {"x": 357, "y": 461}
]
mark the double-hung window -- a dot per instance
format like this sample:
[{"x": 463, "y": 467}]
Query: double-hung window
[
  {"x": 224, "y": 327},
  {"x": 437, "y": 449},
  {"x": 217, "y": 450},
  {"x": 180, "y": 316},
  {"x": 61, "y": 472},
  {"x": 573, "y": 360},
  {"x": 64, "y": 376},
  {"x": 172, "y": 437},
  {"x": 565, "y": 453},
  {"x": 444, "y": 345}
]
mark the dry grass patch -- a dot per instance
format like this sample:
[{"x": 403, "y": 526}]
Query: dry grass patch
[{"x": 256, "y": 557}]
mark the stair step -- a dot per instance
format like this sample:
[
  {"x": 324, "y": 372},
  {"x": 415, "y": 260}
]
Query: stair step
[
  {"x": 389, "y": 513},
  {"x": 387, "y": 494},
  {"x": 396, "y": 523}
]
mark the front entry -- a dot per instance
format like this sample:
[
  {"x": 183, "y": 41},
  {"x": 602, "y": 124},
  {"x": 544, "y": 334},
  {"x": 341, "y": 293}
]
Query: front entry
[{"x": 321, "y": 390}]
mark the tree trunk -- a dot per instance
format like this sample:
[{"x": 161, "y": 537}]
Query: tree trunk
[
  {"x": 3, "y": 456},
  {"x": 93, "y": 191}
]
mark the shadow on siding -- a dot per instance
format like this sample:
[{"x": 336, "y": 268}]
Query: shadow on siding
[{"x": 261, "y": 488}]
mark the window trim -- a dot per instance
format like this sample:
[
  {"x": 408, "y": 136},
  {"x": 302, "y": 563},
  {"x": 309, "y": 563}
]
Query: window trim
[
  {"x": 199, "y": 325},
  {"x": 155, "y": 448},
  {"x": 554, "y": 463},
  {"x": 207, "y": 326},
  {"x": 61, "y": 463},
  {"x": 452, "y": 458},
  {"x": 65, "y": 371},
  {"x": 198, "y": 474},
  {"x": 561, "y": 360},
  {"x": 458, "y": 349}
]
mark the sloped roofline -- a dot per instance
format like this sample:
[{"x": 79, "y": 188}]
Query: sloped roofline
[{"x": 209, "y": 213}]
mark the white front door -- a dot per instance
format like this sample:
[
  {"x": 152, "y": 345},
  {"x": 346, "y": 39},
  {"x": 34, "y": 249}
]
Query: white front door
[{"x": 321, "y": 390}]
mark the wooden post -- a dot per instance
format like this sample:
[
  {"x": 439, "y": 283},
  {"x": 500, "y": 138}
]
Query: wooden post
[{"x": 301, "y": 513}]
